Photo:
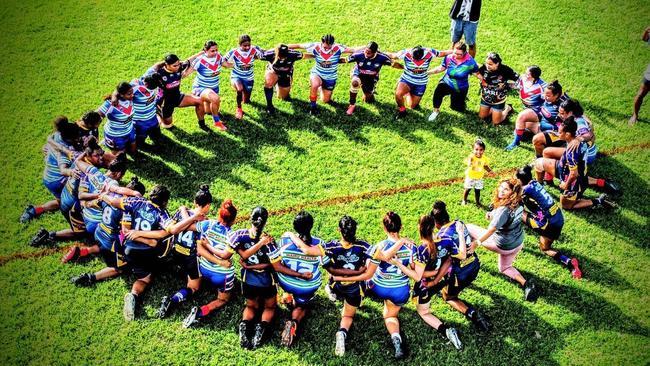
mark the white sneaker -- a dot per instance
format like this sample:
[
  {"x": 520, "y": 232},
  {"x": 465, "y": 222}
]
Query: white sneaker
[
  {"x": 433, "y": 116},
  {"x": 339, "y": 349},
  {"x": 129, "y": 307},
  {"x": 452, "y": 335}
]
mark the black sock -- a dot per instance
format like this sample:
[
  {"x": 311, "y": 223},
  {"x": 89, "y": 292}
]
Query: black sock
[
  {"x": 345, "y": 331},
  {"x": 442, "y": 329},
  {"x": 93, "y": 278},
  {"x": 353, "y": 98},
  {"x": 470, "y": 313},
  {"x": 268, "y": 93},
  {"x": 239, "y": 99}
]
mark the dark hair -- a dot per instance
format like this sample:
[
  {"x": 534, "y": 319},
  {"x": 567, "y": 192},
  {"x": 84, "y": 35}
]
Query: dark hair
[
  {"x": 203, "y": 195},
  {"x": 227, "y": 212},
  {"x": 69, "y": 131},
  {"x": 244, "y": 38},
  {"x": 525, "y": 174},
  {"x": 348, "y": 228},
  {"x": 209, "y": 44},
  {"x": 373, "y": 46},
  {"x": 328, "y": 38},
  {"x": 119, "y": 164},
  {"x": 171, "y": 59},
  {"x": 439, "y": 212},
  {"x": 91, "y": 145},
  {"x": 425, "y": 226},
  {"x": 555, "y": 87},
  {"x": 494, "y": 57},
  {"x": 91, "y": 118},
  {"x": 535, "y": 71},
  {"x": 136, "y": 185},
  {"x": 120, "y": 90},
  {"x": 152, "y": 81},
  {"x": 460, "y": 45},
  {"x": 259, "y": 216},
  {"x": 303, "y": 223},
  {"x": 159, "y": 195},
  {"x": 392, "y": 222},
  {"x": 480, "y": 143},
  {"x": 283, "y": 50},
  {"x": 417, "y": 52},
  {"x": 60, "y": 122},
  {"x": 572, "y": 106},
  {"x": 570, "y": 126}
]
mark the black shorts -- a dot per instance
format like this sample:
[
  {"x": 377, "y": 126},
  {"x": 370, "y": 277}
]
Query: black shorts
[
  {"x": 351, "y": 294},
  {"x": 251, "y": 292},
  {"x": 284, "y": 79},
  {"x": 368, "y": 83},
  {"x": 113, "y": 259},
  {"x": 424, "y": 294},
  {"x": 170, "y": 102},
  {"x": 189, "y": 265},
  {"x": 553, "y": 140},
  {"x": 461, "y": 276},
  {"x": 142, "y": 262}
]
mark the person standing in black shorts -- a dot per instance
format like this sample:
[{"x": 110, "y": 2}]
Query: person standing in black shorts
[
  {"x": 279, "y": 72},
  {"x": 171, "y": 71}
]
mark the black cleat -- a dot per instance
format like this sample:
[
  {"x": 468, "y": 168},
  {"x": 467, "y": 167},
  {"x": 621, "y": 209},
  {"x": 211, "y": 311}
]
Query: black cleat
[
  {"x": 313, "y": 111},
  {"x": 83, "y": 280},
  {"x": 604, "y": 202},
  {"x": 258, "y": 336},
  {"x": 400, "y": 115},
  {"x": 530, "y": 291},
  {"x": 271, "y": 110},
  {"x": 203, "y": 126},
  {"x": 42, "y": 237},
  {"x": 244, "y": 342},
  {"x": 192, "y": 319},
  {"x": 612, "y": 187},
  {"x": 28, "y": 214},
  {"x": 165, "y": 306},
  {"x": 481, "y": 322}
]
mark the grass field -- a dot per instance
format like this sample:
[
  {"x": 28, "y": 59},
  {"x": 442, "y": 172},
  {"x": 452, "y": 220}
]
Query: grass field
[{"x": 61, "y": 57}]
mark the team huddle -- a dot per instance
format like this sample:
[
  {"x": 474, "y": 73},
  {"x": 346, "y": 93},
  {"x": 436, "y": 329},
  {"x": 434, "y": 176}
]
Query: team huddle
[{"x": 134, "y": 233}]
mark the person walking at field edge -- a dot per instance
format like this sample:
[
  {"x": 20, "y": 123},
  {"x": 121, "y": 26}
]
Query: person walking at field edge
[
  {"x": 464, "y": 16},
  {"x": 645, "y": 85}
]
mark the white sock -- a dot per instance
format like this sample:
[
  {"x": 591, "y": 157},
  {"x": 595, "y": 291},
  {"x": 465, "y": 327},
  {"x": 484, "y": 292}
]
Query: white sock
[{"x": 396, "y": 335}]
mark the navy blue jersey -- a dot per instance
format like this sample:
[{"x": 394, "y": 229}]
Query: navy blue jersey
[
  {"x": 145, "y": 216},
  {"x": 282, "y": 66},
  {"x": 108, "y": 230},
  {"x": 433, "y": 261},
  {"x": 496, "y": 88},
  {"x": 170, "y": 81},
  {"x": 539, "y": 202},
  {"x": 369, "y": 66},
  {"x": 241, "y": 240},
  {"x": 352, "y": 257},
  {"x": 574, "y": 160},
  {"x": 185, "y": 241},
  {"x": 448, "y": 233}
]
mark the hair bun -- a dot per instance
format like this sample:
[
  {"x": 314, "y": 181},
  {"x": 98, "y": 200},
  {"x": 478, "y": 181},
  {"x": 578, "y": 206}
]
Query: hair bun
[
  {"x": 227, "y": 203},
  {"x": 134, "y": 180},
  {"x": 204, "y": 187}
]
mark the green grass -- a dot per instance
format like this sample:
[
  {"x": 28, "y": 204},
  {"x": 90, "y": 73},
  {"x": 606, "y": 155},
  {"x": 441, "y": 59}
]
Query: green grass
[{"x": 61, "y": 57}]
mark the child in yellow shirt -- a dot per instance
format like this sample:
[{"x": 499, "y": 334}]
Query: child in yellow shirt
[{"x": 477, "y": 165}]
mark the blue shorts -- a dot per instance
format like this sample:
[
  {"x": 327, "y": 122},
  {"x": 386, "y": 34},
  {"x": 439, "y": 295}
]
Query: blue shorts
[
  {"x": 197, "y": 91},
  {"x": 91, "y": 226},
  {"x": 246, "y": 84},
  {"x": 495, "y": 107},
  {"x": 397, "y": 295},
  {"x": 119, "y": 142},
  {"x": 146, "y": 128},
  {"x": 545, "y": 125},
  {"x": 326, "y": 84},
  {"x": 106, "y": 241},
  {"x": 460, "y": 27},
  {"x": 55, "y": 187},
  {"x": 301, "y": 296},
  {"x": 75, "y": 218},
  {"x": 415, "y": 89},
  {"x": 222, "y": 282},
  {"x": 351, "y": 294}
]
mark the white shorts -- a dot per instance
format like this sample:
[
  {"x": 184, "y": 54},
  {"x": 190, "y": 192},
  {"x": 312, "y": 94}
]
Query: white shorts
[{"x": 473, "y": 183}]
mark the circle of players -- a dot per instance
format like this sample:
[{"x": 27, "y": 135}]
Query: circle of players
[{"x": 134, "y": 233}]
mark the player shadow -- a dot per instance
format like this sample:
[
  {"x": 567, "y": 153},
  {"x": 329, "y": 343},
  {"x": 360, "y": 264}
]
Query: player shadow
[
  {"x": 592, "y": 270},
  {"x": 498, "y": 136},
  {"x": 604, "y": 115},
  {"x": 593, "y": 309}
]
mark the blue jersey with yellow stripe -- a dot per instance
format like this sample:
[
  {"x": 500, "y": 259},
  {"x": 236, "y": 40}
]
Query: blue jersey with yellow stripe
[
  {"x": 107, "y": 233},
  {"x": 185, "y": 241},
  {"x": 119, "y": 117},
  {"x": 327, "y": 61},
  {"x": 539, "y": 202},
  {"x": 93, "y": 181},
  {"x": 290, "y": 255},
  {"x": 449, "y": 236},
  {"x": 70, "y": 193},
  {"x": 216, "y": 235},
  {"x": 389, "y": 275},
  {"x": 415, "y": 71},
  {"x": 585, "y": 127}
]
